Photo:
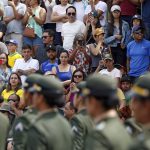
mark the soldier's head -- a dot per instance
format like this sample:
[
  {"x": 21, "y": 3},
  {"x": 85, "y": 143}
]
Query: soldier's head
[
  {"x": 48, "y": 93},
  {"x": 141, "y": 99},
  {"x": 101, "y": 94}
]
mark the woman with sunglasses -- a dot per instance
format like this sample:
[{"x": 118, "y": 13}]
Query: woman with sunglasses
[
  {"x": 77, "y": 77},
  {"x": 14, "y": 86},
  {"x": 5, "y": 71},
  {"x": 117, "y": 35}
]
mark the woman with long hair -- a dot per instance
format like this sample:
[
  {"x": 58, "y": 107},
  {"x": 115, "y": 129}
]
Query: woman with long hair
[
  {"x": 117, "y": 35},
  {"x": 14, "y": 86},
  {"x": 5, "y": 71}
]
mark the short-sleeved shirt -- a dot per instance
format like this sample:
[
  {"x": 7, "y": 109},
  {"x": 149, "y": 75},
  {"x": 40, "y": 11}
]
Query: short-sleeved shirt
[
  {"x": 139, "y": 55},
  {"x": 99, "y": 6},
  {"x": 12, "y": 58},
  {"x": 6, "y": 94},
  {"x": 47, "y": 66}
]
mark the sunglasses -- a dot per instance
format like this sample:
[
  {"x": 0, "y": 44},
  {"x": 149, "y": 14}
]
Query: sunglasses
[
  {"x": 78, "y": 76},
  {"x": 71, "y": 14}
]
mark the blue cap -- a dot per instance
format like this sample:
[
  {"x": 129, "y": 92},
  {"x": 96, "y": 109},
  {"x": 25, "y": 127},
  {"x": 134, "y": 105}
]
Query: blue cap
[
  {"x": 137, "y": 28},
  {"x": 137, "y": 17},
  {"x": 12, "y": 41}
]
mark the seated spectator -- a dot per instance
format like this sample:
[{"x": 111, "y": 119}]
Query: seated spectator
[
  {"x": 5, "y": 71},
  {"x": 98, "y": 49},
  {"x": 51, "y": 62},
  {"x": 77, "y": 77},
  {"x": 3, "y": 48},
  {"x": 26, "y": 65},
  {"x": 14, "y": 86},
  {"x": 138, "y": 53},
  {"x": 99, "y": 7},
  {"x": 71, "y": 28},
  {"x": 13, "y": 54},
  {"x": 110, "y": 70},
  {"x": 117, "y": 36},
  {"x": 64, "y": 70},
  {"x": 59, "y": 16},
  {"x": 14, "y": 14},
  {"x": 79, "y": 55},
  {"x": 35, "y": 17}
]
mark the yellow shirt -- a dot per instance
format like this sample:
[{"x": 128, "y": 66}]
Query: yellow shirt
[
  {"x": 120, "y": 95},
  {"x": 6, "y": 94},
  {"x": 12, "y": 58}
]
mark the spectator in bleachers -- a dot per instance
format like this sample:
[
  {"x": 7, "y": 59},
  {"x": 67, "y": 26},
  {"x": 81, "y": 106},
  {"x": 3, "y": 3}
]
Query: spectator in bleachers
[
  {"x": 59, "y": 16},
  {"x": 97, "y": 6},
  {"x": 138, "y": 53},
  {"x": 3, "y": 48},
  {"x": 14, "y": 14},
  {"x": 117, "y": 35},
  {"x": 64, "y": 70},
  {"x": 26, "y": 65},
  {"x": 14, "y": 86},
  {"x": 34, "y": 17},
  {"x": 52, "y": 60},
  {"x": 80, "y": 55},
  {"x": 5, "y": 71},
  {"x": 71, "y": 28},
  {"x": 13, "y": 54}
]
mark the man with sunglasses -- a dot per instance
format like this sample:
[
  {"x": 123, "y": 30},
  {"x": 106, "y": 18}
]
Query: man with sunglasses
[
  {"x": 71, "y": 28},
  {"x": 138, "y": 54}
]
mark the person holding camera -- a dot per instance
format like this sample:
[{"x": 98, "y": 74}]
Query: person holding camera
[{"x": 80, "y": 55}]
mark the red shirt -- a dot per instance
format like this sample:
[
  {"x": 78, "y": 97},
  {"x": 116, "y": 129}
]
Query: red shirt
[{"x": 127, "y": 8}]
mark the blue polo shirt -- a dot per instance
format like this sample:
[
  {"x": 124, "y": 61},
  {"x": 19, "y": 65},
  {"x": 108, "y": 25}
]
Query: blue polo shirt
[
  {"x": 47, "y": 66},
  {"x": 139, "y": 55}
]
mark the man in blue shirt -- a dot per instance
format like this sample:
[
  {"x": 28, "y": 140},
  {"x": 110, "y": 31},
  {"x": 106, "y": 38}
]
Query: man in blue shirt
[
  {"x": 138, "y": 54},
  {"x": 52, "y": 61}
]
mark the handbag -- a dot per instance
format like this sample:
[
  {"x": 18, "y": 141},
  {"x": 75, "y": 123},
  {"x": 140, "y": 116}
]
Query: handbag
[{"x": 29, "y": 32}]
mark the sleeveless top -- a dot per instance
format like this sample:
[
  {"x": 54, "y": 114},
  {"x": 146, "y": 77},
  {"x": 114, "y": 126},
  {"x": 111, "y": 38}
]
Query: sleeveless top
[
  {"x": 64, "y": 76},
  {"x": 33, "y": 24}
]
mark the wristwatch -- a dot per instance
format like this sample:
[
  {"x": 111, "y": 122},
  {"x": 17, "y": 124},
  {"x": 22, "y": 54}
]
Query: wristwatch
[{"x": 33, "y": 15}]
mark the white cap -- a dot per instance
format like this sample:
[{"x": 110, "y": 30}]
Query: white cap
[{"x": 115, "y": 7}]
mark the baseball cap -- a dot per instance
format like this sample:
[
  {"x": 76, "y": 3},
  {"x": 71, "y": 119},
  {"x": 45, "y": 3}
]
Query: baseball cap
[
  {"x": 99, "y": 31},
  {"x": 136, "y": 29},
  {"x": 12, "y": 41},
  {"x": 50, "y": 47},
  {"x": 137, "y": 17},
  {"x": 108, "y": 57},
  {"x": 115, "y": 7}
]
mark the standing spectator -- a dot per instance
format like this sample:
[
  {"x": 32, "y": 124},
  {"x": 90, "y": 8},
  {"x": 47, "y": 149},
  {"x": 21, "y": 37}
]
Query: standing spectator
[
  {"x": 13, "y": 54},
  {"x": 80, "y": 55},
  {"x": 5, "y": 71},
  {"x": 138, "y": 53},
  {"x": 117, "y": 36},
  {"x": 64, "y": 70},
  {"x": 71, "y": 28},
  {"x": 34, "y": 17},
  {"x": 52, "y": 60},
  {"x": 26, "y": 65},
  {"x": 3, "y": 48},
  {"x": 14, "y": 86},
  {"x": 14, "y": 14},
  {"x": 59, "y": 16},
  {"x": 97, "y": 6}
]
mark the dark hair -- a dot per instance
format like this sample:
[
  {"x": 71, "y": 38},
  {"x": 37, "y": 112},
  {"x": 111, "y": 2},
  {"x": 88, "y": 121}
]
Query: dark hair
[
  {"x": 9, "y": 88},
  {"x": 1, "y": 99},
  {"x": 69, "y": 8},
  {"x": 26, "y": 47},
  {"x": 42, "y": 4},
  {"x": 58, "y": 2},
  {"x": 6, "y": 58},
  {"x": 17, "y": 96},
  {"x": 50, "y": 32},
  {"x": 78, "y": 70},
  {"x": 64, "y": 51}
]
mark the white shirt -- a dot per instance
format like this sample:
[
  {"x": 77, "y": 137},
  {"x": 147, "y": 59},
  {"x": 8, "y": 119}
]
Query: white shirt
[
  {"x": 61, "y": 11},
  {"x": 21, "y": 64},
  {"x": 80, "y": 10},
  {"x": 115, "y": 73},
  {"x": 99, "y": 6},
  {"x": 69, "y": 30}
]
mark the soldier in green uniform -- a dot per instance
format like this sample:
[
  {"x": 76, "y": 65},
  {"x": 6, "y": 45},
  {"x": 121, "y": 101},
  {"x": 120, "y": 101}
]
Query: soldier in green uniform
[
  {"x": 21, "y": 125},
  {"x": 81, "y": 122},
  {"x": 108, "y": 133},
  {"x": 4, "y": 125},
  {"x": 49, "y": 131},
  {"x": 141, "y": 109}
]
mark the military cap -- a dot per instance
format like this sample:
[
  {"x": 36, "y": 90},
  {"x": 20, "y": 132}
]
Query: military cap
[
  {"x": 100, "y": 86},
  {"x": 31, "y": 79},
  {"x": 142, "y": 86},
  {"x": 5, "y": 107}
]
